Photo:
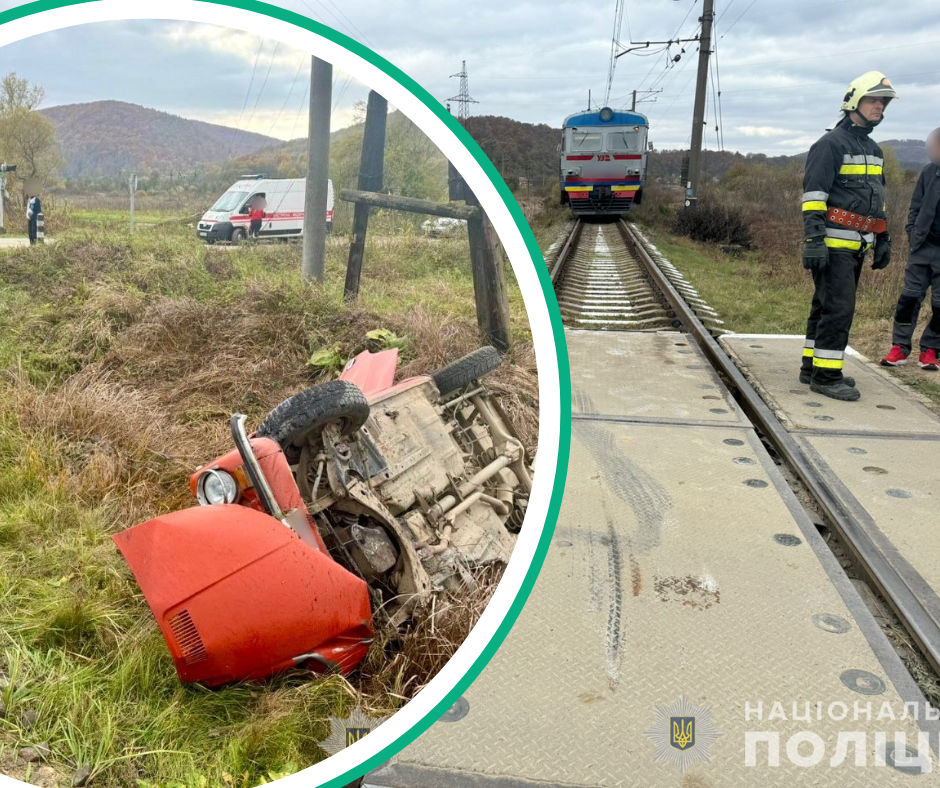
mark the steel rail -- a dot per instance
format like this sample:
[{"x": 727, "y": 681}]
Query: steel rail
[
  {"x": 896, "y": 589},
  {"x": 566, "y": 250}
]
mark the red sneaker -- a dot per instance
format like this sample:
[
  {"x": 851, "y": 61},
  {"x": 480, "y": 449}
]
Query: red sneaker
[
  {"x": 928, "y": 361},
  {"x": 896, "y": 357}
]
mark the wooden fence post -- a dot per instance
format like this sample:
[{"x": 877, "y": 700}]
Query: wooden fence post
[
  {"x": 371, "y": 177},
  {"x": 489, "y": 277}
]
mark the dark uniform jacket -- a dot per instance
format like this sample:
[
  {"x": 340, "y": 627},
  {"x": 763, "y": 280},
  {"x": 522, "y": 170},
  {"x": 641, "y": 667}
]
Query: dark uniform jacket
[
  {"x": 923, "y": 216},
  {"x": 844, "y": 169}
]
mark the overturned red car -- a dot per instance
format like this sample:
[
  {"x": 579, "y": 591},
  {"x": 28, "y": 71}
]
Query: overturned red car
[{"x": 355, "y": 498}]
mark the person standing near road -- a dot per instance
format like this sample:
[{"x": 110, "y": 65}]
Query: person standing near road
[
  {"x": 256, "y": 216},
  {"x": 33, "y": 209},
  {"x": 923, "y": 269},
  {"x": 843, "y": 217}
]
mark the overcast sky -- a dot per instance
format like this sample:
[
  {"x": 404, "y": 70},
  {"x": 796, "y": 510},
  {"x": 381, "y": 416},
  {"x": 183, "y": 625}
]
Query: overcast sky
[{"x": 782, "y": 67}]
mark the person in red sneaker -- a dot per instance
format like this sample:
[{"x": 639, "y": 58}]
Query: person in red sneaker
[
  {"x": 897, "y": 357},
  {"x": 928, "y": 360},
  {"x": 923, "y": 268}
]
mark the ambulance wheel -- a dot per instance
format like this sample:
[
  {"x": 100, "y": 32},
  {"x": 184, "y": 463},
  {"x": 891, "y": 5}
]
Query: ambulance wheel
[
  {"x": 461, "y": 373},
  {"x": 238, "y": 235},
  {"x": 296, "y": 419}
]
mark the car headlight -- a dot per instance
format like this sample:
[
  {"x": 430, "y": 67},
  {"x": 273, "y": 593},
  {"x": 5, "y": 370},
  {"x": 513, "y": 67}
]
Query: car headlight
[{"x": 215, "y": 487}]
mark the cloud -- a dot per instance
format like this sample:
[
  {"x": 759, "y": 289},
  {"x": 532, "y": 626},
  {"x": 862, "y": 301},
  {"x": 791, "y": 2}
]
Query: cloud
[
  {"x": 530, "y": 61},
  {"x": 763, "y": 131}
]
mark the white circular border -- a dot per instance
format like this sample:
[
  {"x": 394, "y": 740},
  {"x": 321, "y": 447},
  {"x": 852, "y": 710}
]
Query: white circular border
[{"x": 519, "y": 257}]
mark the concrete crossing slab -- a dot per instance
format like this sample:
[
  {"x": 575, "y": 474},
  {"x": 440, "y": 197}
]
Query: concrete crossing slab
[
  {"x": 683, "y": 580},
  {"x": 635, "y": 375},
  {"x": 773, "y": 362}
]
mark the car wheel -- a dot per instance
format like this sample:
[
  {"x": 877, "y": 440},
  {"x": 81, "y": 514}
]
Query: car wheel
[
  {"x": 309, "y": 411},
  {"x": 461, "y": 373},
  {"x": 238, "y": 235}
]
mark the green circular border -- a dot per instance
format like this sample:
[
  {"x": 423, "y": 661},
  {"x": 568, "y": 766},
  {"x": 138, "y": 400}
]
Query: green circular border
[{"x": 561, "y": 350}]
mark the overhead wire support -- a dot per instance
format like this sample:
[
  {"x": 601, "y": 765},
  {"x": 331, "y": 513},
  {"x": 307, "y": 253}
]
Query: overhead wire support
[
  {"x": 638, "y": 45},
  {"x": 463, "y": 99}
]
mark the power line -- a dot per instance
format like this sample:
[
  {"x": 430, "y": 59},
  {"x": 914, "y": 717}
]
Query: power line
[
  {"x": 303, "y": 59},
  {"x": 721, "y": 120},
  {"x": 727, "y": 9},
  {"x": 739, "y": 18},
  {"x": 235, "y": 133},
  {"x": 614, "y": 46},
  {"x": 263, "y": 85},
  {"x": 711, "y": 73}
]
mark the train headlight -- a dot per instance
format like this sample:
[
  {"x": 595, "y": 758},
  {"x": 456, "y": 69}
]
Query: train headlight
[
  {"x": 606, "y": 114},
  {"x": 215, "y": 487}
]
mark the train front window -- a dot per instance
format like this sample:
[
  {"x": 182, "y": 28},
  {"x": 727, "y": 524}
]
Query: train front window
[
  {"x": 623, "y": 140},
  {"x": 586, "y": 141}
]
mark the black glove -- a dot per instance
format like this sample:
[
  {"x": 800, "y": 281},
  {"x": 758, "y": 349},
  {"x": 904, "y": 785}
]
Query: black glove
[
  {"x": 815, "y": 254},
  {"x": 882, "y": 254}
]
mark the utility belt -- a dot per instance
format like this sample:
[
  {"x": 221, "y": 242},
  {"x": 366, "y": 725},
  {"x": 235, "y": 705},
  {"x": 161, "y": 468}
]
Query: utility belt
[{"x": 853, "y": 221}]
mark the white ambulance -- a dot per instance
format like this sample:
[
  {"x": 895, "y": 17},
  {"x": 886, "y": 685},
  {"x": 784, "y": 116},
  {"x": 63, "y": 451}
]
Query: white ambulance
[{"x": 227, "y": 220}]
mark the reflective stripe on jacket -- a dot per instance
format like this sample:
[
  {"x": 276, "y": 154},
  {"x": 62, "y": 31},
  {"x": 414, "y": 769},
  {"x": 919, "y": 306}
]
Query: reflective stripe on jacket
[{"x": 844, "y": 169}]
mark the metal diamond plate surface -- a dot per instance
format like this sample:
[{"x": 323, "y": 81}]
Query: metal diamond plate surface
[
  {"x": 773, "y": 364},
  {"x": 891, "y": 485},
  {"x": 635, "y": 375},
  {"x": 681, "y": 566}
]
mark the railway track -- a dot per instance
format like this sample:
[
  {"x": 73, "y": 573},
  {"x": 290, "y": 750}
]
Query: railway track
[{"x": 609, "y": 276}]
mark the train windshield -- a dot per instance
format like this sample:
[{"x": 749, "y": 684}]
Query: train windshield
[
  {"x": 586, "y": 140},
  {"x": 623, "y": 140}
]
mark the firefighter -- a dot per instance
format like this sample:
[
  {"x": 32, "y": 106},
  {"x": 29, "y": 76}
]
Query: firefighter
[
  {"x": 843, "y": 217},
  {"x": 923, "y": 269}
]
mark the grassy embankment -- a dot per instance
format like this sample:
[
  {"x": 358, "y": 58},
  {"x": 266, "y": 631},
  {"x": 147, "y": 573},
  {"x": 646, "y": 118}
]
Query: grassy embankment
[{"x": 120, "y": 361}]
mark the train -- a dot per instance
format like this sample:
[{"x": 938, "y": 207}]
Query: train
[{"x": 603, "y": 161}]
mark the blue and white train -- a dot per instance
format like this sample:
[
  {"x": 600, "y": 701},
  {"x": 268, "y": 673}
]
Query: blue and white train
[{"x": 603, "y": 161}]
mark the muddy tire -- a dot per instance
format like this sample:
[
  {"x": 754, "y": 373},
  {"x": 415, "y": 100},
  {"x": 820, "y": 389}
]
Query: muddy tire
[
  {"x": 333, "y": 402},
  {"x": 461, "y": 373},
  {"x": 238, "y": 236}
]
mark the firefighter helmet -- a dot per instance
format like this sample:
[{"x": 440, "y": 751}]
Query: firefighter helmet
[{"x": 872, "y": 83}]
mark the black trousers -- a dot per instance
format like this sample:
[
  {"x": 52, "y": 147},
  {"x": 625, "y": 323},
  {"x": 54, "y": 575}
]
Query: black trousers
[
  {"x": 33, "y": 230},
  {"x": 254, "y": 228},
  {"x": 922, "y": 272},
  {"x": 831, "y": 315}
]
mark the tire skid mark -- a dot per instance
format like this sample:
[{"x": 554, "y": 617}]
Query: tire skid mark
[{"x": 646, "y": 497}]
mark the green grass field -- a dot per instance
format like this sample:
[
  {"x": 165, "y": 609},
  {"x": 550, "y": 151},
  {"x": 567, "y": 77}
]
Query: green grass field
[{"x": 120, "y": 361}]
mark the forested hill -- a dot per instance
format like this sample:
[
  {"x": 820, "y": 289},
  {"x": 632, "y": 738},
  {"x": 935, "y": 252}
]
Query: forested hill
[
  {"x": 517, "y": 149},
  {"x": 105, "y": 138}
]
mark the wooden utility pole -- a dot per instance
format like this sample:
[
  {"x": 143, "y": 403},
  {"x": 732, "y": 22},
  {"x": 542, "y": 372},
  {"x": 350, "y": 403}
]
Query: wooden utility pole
[
  {"x": 698, "y": 113},
  {"x": 318, "y": 169},
  {"x": 371, "y": 178}
]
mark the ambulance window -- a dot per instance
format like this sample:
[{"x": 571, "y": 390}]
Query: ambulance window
[
  {"x": 229, "y": 201},
  {"x": 623, "y": 140},
  {"x": 586, "y": 140}
]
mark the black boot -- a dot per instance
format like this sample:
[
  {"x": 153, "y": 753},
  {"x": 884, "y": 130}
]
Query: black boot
[
  {"x": 838, "y": 390},
  {"x": 806, "y": 377}
]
